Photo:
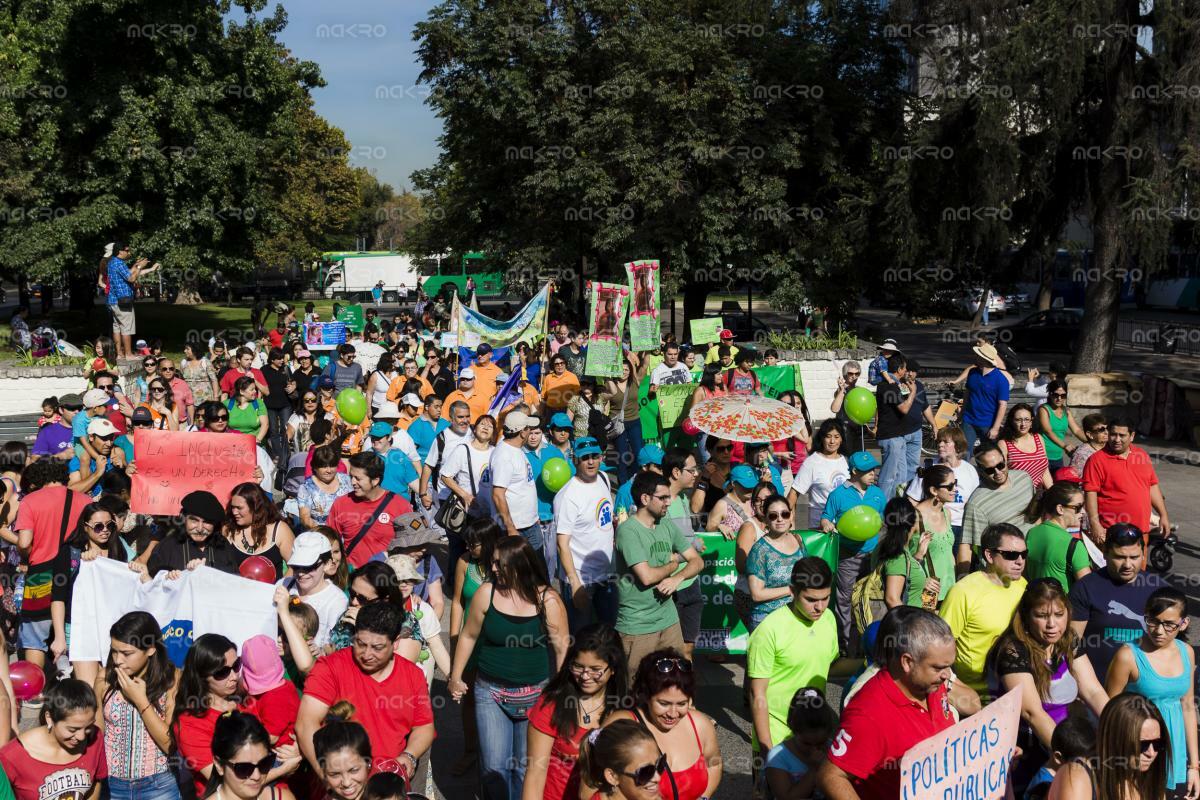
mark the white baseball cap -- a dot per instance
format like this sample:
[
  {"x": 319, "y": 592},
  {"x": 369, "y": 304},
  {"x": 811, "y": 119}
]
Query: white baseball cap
[
  {"x": 101, "y": 427},
  {"x": 93, "y": 398},
  {"x": 411, "y": 399},
  {"x": 467, "y": 374},
  {"x": 308, "y": 548}
]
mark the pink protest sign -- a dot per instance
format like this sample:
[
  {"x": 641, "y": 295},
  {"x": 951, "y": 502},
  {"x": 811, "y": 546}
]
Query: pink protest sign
[
  {"x": 970, "y": 760},
  {"x": 170, "y": 464}
]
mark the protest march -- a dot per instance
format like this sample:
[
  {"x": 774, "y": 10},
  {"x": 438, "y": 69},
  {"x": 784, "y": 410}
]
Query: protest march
[{"x": 274, "y": 568}]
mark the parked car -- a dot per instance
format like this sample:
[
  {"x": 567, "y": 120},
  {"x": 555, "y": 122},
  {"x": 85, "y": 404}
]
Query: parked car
[
  {"x": 1055, "y": 330},
  {"x": 1016, "y": 300},
  {"x": 968, "y": 303}
]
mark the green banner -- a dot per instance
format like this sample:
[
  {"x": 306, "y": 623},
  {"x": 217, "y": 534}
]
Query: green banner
[
  {"x": 706, "y": 331},
  {"x": 721, "y": 631},
  {"x": 776, "y": 380},
  {"x": 606, "y": 329},
  {"x": 672, "y": 403},
  {"x": 351, "y": 316},
  {"x": 645, "y": 331}
]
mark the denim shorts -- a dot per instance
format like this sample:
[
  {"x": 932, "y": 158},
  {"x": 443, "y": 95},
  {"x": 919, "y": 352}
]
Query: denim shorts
[
  {"x": 35, "y": 635},
  {"x": 162, "y": 786}
]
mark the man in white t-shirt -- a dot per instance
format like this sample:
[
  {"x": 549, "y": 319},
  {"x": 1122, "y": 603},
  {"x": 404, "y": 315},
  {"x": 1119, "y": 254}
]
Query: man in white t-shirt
[
  {"x": 458, "y": 433},
  {"x": 310, "y": 561},
  {"x": 514, "y": 494},
  {"x": 669, "y": 372},
  {"x": 583, "y": 523}
]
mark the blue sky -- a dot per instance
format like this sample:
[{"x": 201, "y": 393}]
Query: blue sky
[{"x": 367, "y": 57}]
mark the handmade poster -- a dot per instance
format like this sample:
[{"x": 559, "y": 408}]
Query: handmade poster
[
  {"x": 645, "y": 332},
  {"x": 606, "y": 329},
  {"x": 449, "y": 341},
  {"x": 171, "y": 464},
  {"x": 324, "y": 334},
  {"x": 721, "y": 630},
  {"x": 351, "y": 316},
  {"x": 672, "y": 403},
  {"x": 529, "y": 324},
  {"x": 706, "y": 331},
  {"x": 971, "y": 759}
]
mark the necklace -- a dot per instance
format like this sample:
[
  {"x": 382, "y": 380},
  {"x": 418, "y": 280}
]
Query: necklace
[{"x": 587, "y": 715}]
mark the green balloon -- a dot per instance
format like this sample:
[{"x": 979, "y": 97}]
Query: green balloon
[
  {"x": 352, "y": 405},
  {"x": 555, "y": 474},
  {"x": 860, "y": 523},
  {"x": 860, "y": 405}
]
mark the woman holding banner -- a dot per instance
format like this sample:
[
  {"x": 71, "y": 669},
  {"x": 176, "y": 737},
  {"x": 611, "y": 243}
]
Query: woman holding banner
[{"x": 622, "y": 398}]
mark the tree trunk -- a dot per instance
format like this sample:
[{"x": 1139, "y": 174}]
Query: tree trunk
[
  {"x": 1046, "y": 288},
  {"x": 1098, "y": 331}
]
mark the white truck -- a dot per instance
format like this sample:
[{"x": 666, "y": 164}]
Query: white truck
[{"x": 353, "y": 276}]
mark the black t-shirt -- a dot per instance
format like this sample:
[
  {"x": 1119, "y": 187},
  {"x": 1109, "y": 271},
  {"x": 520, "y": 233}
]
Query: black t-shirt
[
  {"x": 1113, "y": 612},
  {"x": 893, "y": 422},
  {"x": 304, "y": 378},
  {"x": 1012, "y": 656},
  {"x": 177, "y": 549},
  {"x": 276, "y": 384},
  {"x": 442, "y": 382}
]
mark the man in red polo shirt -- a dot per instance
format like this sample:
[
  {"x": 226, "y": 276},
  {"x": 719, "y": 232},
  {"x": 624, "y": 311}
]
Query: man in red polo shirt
[
  {"x": 368, "y": 503},
  {"x": 1120, "y": 484},
  {"x": 902, "y": 705}
]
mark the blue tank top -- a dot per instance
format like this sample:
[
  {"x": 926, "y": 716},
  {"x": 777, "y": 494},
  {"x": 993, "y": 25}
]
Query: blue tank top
[{"x": 1166, "y": 694}]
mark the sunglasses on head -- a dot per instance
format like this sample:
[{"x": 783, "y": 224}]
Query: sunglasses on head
[
  {"x": 645, "y": 773},
  {"x": 1011, "y": 555},
  {"x": 221, "y": 673},
  {"x": 665, "y": 665},
  {"x": 244, "y": 769},
  {"x": 100, "y": 527}
]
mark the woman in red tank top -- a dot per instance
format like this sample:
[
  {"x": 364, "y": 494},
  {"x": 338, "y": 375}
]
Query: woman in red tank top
[
  {"x": 663, "y": 693},
  {"x": 623, "y": 761}
]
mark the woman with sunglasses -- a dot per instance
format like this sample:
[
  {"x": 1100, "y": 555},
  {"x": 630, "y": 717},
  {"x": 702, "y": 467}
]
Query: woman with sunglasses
[
  {"x": 1161, "y": 668},
  {"x": 903, "y": 554},
  {"x": 750, "y": 532},
  {"x": 664, "y": 692},
  {"x": 242, "y": 759},
  {"x": 1095, "y": 433},
  {"x": 255, "y": 527},
  {"x": 589, "y": 687},
  {"x": 139, "y": 387},
  {"x": 308, "y": 410},
  {"x": 63, "y": 748},
  {"x": 161, "y": 403},
  {"x": 939, "y": 488},
  {"x": 248, "y": 411},
  {"x": 1041, "y": 655},
  {"x": 622, "y": 762},
  {"x": 373, "y": 582},
  {"x": 770, "y": 561},
  {"x": 821, "y": 473},
  {"x": 1130, "y": 762},
  {"x": 1054, "y": 420},
  {"x": 208, "y": 687},
  {"x": 1054, "y": 551},
  {"x": 95, "y": 535},
  {"x": 137, "y": 697},
  {"x": 1023, "y": 449}
]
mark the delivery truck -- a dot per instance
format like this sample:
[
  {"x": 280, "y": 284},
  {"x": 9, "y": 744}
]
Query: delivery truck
[{"x": 353, "y": 276}]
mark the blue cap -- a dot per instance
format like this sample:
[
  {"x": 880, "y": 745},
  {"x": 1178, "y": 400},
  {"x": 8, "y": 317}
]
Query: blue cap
[
  {"x": 862, "y": 461},
  {"x": 381, "y": 429},
  {"x": 587, "y": 446},
  {"x": 744, "y": 476},
  {"x": 561, "y": 420},
  {"x": 650, "y": 454},
  {"x": 326, "y": 382}
]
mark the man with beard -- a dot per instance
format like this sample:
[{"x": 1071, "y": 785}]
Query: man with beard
[{"x": 197, "y": 542}]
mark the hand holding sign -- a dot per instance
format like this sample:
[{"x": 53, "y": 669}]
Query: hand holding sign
[{"x": 173, "y": 463}]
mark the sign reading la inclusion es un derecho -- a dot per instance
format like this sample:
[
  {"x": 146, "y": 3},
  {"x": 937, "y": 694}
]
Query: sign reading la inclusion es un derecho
[{"x": 171, "y": 464}]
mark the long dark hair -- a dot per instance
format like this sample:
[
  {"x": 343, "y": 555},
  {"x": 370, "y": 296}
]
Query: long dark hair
[
  {"x": 899, "y": 517},
  {"x": 382, "y": 579},
  {"x": 262, "y": 512},
  {"x": 79, "y": 537},
  {"x": 234, "y": 731},
  {"x": 487, "y": 532},
  {"x": 1019, "y": 636},
  {"x": 140, "y": 629},
  {"x": 1118, "y": 746},
  {"x": 519, "y": 570},
  {"x": 562, "y": 690},
  {"x": 206, "y": 656},
  {"x": 168, "y": 394},
  {"x": 337, "y": 734}
]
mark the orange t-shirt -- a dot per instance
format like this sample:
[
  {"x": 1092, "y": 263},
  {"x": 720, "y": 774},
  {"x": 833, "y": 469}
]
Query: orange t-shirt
[
  {"x": 557, "y": 390},
  {"x": 485, "y": 378},
  {"x": 397, "y": 386},
  {"x": 478, "y": 403}
]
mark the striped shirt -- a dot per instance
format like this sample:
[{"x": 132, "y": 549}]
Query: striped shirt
[{"x": 988, "y": 506}]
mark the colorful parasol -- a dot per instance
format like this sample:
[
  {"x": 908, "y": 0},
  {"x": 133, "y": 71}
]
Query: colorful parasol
[{"x": 747, "y": 418}]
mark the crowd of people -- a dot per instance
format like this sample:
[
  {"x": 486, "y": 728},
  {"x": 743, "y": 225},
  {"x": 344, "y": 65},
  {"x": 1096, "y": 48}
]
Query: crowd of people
[{"x": 572, "y": 615}]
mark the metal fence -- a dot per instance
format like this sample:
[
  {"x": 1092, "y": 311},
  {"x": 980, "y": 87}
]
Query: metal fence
[{"x": 1150, "y": 334}]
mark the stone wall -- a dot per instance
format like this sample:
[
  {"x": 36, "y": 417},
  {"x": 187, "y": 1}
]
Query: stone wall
[
  {"x": 819, "y": 371},
  {"x": 22, "y": 389}
]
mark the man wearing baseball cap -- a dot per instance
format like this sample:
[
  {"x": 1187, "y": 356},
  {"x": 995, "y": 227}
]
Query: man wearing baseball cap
[
  {"x": 197, "y": 542},
  {"x": 85, "y": 473},
  {"x": 399, "y": 473},
  {"x": 95, "y": 406},
  {"x": 410, "y": 410},
  {"x": 583, "y": 525},
  {"x": 476, "y": 399},
  {"x": 649, "y": 459},
  {"x": 485, "y": 371},
  {"x": 713, "y": 355},
  {"x": 514, "y": 494},
  {"x": 853, "y": 556},
  {"x": 311, "y": 556}
]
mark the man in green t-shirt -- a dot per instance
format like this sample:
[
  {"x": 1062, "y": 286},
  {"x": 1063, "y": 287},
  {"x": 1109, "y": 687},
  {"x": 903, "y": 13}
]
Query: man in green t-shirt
[
  {"x": 680, "y": 470},
  {"x": 648, "y": 551},
  {"x": 794, "y": 647}
]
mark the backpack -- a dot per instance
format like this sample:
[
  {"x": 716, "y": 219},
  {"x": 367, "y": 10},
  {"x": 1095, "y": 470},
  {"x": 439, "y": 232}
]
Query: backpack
[
  {"x": 866, "y": 599},
  {"x": 229, "y": 404}
]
